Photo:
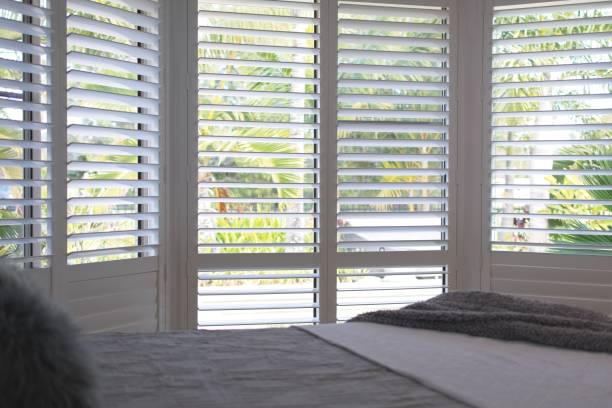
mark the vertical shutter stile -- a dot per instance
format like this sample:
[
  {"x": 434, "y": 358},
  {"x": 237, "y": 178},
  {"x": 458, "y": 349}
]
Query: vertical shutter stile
[
  {"x": 113, "y": 130},
  {"x": 25, "y": 133}
]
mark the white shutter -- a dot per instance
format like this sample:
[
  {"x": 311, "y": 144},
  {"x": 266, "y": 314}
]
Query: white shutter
[
  {"x": 393, "y": 131},
  {"x": 113, "y": 130},
  {"x": 258, "y": 170},
  {"x": 25, "y": 134},
  {"x": 551, "y": 124}
]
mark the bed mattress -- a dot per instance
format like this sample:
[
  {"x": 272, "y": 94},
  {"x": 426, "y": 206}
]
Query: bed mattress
[{"x": 255, "y": 368}]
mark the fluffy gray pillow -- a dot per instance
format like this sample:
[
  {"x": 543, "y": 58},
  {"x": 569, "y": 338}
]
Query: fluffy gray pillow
[{"x": 42, "y": 363}]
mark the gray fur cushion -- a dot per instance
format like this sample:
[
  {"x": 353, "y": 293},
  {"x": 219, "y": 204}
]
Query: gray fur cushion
[{"x": 42, "y": 363}]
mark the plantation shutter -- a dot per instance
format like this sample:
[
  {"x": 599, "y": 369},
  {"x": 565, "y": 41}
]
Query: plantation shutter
[
  {"x": 113, "y": 130},
  {"x": 393, "y": 151},
  {"x": 258, "y": 162},
  {"x": 113, "y": 149},
  {"x": 551, "y": 123},
  {"x": 25, "y": 134}
]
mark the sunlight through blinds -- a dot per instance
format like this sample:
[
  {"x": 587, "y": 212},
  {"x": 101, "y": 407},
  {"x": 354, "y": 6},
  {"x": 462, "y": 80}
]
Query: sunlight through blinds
[
  {"x": 551, "y": 129},
  {"x": 25, "y": 133},
  {"x": 113, "y": 129},
  {"x": 392, "y": 138},
  {"x": 258, "y": 160}
]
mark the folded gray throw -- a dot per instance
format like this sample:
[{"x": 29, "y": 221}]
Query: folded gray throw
[{"x": 496, "y": 316}]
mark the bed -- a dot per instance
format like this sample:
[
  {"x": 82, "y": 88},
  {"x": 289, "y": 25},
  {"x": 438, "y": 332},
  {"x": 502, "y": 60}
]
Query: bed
[{"x": 363, "y": 364}]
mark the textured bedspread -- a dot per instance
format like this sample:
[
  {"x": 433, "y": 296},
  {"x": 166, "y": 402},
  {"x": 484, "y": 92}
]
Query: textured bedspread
[
  {"x": 496, "y": 316},
  {"x": 257, "y": 368}
]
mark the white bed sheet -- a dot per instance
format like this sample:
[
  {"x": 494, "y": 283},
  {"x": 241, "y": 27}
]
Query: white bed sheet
[{"x": 486, "y": 373}]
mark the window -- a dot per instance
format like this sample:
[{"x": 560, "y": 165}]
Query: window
[
  {"x": 25, "y": 133},
  {"x": 113, "y": 130},
  {"x": 551, "y": 153}
]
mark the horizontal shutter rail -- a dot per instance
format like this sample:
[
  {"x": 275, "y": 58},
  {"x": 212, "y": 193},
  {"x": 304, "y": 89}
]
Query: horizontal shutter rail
[
  {"x": 393, "y": 99},
  {"x": 556, "y": 231},
  {"x": 565, "y": 23},
  {"x": 25, "y": 183},
  {"x": 136, "y": 101},
  {"x": 386, "y": 11},
  {"x": 295, "y": 5},
  {"x": 97, "y": 148},
  {"x": 114, "y": 217},
  {"x": 23, "y": 28},
  {"x": 550, "y": 9},
  {"x": 112, "y": 115},
  {"x": 259, "y": 94},
  {"x": 279, "y": 291},
  {"x": 83, "y": 41},
  {"x": 556, "y": 142},
  {"x": 262, "y": 245},
  {"x": 413, "y": 214},
  {"x": 380, "y": 40},
  {"x": 26, "y": 9},
  {"x": 409, "y": 229},
  {"x": 266, "y": 322},
  {"x": 76, "y": 76},
  {"x": 87, "y": 24},
  {"x": 556, "y": 216},
  {"x": 29, "y": 106},
  {"x": 150, "y": 184},
  {"x": 392, "y": 26},
  {"x": 392, "y": 69},
  {"x": 552, "y": 157},
  {"x": 111, "y": 166},
  {"x": 257, "y": 33},
  {"x": 383, "y": 84},
  {"x": 25, "y": 164},
  {"x": 97, "y": 253},
  {"x": 223, "y": 154},
  {"x": 391, "y": 172},
  {"x": 22, "y": 241},
  {"x": 25, "y": 66},
  {"x": 113, "y": 13},
  {"x": 551, "y": 68},
  {"x": 392, "y": 113},
  {"x": 389, "y": 185},
  {"x": 604, "y": 36},
  {"x": 553, "y": 172},
  {"x": 390, "y": 127},
  {"x": 257, "y": 306},
  {"x": 497, "y": 58},
  {"x": 268, "y": 170},
  {"x": 76, "y": 58},
  {"x": 83, "y": 201},
  {"x": 349, "y": 142},
  {"x": 24, "y": 201},
  {"x": 267, "y": 18},
  {"x": 24, "y": 86},
  {"x": 385, "y": 273},
  {"x": 393, "y": 55},
  {"x": 258, "y": 109},
  {"x": 551, "y": 186},
  {"x": 113, "y": 234},
  {"x": 594, "y": 246},
  {"x": 18, "y": 124},
  {"x": 391, "y": 200},
  {"x": 376, "y": 288},
  {"x": 258, "y": 78},
  {"x": 257, "y": 139},
  {"x": 257, "y": 230},
  {"x": 568, "y": 112},
  {"x": 270, "y": 125},
  {"x": 259, "y": 200},
  {"x": 255, "y": 63},
  {"x": 24, "y": 47},
  {"x": 397, "y": 157},
  {"x": 553, "y": 98},
  {"x": 250, "y": 48},
  {"x": 554, "y": 83},
  {"x": 102, "y": 131},
  {"x": 551, "y": 201}
]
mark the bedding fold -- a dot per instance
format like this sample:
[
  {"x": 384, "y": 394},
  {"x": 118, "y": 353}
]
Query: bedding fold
[{"x": 496, "y": 316}]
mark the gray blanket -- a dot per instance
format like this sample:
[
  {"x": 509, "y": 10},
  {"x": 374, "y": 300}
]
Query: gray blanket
[
  {"x": 271, "y": 368},
  {"x": 492, "y": 315}
]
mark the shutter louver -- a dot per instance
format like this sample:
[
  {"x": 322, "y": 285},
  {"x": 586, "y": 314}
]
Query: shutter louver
[
  {"x": 113, "y": 130},
  {"x": 258, "y": 161},
  {"x": 393, "y": 97},
  {"x": 25, "y": 133},
  {"x": 551, "y": 128}
]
